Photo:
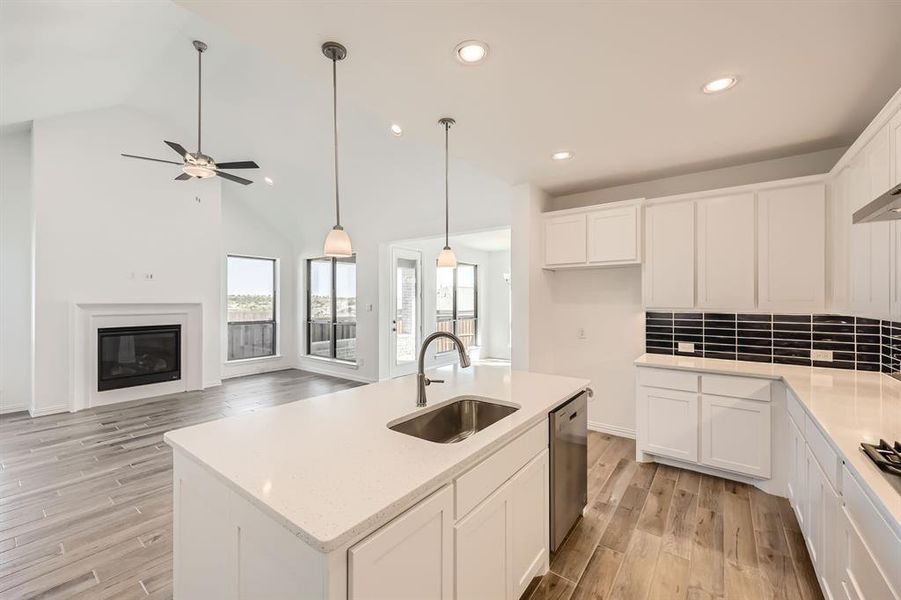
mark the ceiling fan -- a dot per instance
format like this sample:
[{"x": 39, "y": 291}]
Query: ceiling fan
[{"x": 197, "y": 164}]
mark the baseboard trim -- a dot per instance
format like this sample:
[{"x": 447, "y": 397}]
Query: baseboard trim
[
  {"x": 340, "y": 374},
  {"x": 48, "y": 410},
  {"x": 211, "y": 384},
  {"x": 611, "y": 429}
]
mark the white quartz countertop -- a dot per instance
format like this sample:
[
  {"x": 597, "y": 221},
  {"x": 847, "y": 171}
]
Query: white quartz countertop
[
  {"x": 849, "y": 406},
  {"x": 329, "y": 469}
]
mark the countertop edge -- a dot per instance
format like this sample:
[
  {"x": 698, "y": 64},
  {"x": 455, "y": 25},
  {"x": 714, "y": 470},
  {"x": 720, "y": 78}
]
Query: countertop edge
[
  {"x": 874, "y": 497},
  {"x": 395, "y": 508}
]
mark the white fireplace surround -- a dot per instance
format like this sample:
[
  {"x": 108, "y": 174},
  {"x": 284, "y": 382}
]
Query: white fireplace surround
[{"x": 88, "y": 317}]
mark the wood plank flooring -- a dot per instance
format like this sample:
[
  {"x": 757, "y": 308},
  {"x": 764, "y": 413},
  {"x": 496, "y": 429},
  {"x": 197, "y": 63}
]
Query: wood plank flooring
[
  {"x": 86, "y": 497},
  {"x": 657, "y": 532}
]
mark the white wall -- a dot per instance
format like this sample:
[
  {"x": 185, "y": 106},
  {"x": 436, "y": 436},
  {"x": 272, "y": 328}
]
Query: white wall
[
  {"x": 16, "y": 235},
  {"x": 497, "y": 309},
  {"x": 103, "y": 223},
  {"x": 245, "y": 233}
]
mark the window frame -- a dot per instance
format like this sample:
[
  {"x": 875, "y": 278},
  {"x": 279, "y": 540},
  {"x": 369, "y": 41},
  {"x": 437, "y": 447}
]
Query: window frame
[
  {"x": 276, "y": 297},
  {"x": 455, "y": 310},
  {"x": 333, "y": 322}
]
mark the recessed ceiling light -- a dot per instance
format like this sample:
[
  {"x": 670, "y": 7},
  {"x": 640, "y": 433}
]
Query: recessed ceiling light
[
  {"x": 471, "y": 52},
  {"x": 562, "y": 155},
  {"x": 268, "y": 181},
  {"x": 396, "y": 130},
  {"x": 720, "y": 85}
]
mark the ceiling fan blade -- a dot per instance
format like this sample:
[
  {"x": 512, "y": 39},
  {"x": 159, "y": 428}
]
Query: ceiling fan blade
[
  {"x": 234, "y": 178},
  {"x": 170, "y": 162},
  {"x": 241, "y": 164},
  {"x": 178, "y": 148},
  {"x": 183, "y": 177}
]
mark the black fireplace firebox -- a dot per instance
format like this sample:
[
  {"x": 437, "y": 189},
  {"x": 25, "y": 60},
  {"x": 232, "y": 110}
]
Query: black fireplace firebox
[{"x": 130, "y": 356}]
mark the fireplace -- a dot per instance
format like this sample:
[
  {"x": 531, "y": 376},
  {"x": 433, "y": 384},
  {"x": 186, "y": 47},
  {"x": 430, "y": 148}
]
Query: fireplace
[{"x": 132, "y": 356}]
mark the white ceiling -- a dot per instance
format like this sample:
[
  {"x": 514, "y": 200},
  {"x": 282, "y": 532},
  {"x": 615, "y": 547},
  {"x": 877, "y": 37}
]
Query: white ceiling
[{"x": 616, "y": 82}]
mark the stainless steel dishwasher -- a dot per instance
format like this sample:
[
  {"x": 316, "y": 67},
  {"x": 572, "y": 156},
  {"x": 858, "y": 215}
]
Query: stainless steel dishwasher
[{"x": 569, "y": 466}]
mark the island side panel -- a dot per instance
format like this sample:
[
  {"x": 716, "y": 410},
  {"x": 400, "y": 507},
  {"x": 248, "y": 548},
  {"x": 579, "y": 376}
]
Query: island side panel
[{"x": 227, "y": 548}]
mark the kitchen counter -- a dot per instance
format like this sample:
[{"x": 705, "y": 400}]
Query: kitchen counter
[
  {"x": 849, "y": 406},
  {"x": 329, "y": 469}
]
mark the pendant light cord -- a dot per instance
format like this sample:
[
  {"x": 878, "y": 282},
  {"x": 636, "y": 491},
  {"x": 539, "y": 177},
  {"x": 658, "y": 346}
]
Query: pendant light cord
[
  {"x": 199, "y": 91},
  {"x": 335, "y": 130},
  {"x": 446, "y": 185}
]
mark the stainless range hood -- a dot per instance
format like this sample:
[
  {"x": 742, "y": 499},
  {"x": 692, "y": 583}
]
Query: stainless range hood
[{"x": 886, "y": 207}]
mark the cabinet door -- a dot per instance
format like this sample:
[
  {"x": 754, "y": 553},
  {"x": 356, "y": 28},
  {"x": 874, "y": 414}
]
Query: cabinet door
[
  {"x": 871, "y": 243},
  {"x": 411, "y": 557},
  {"x": 726, "y": 255},
  {"x": 614, "y": 235},
  {"x": 530, "y": 523},
  {"x": 797, "y": 479},
  {"x": 791, "y": 248},
  {"x": 860, "y": 576},
  {"x": 670, "y": 425},
  {"x": 669, "y": 266},
  {"x": 564, "y": 240},
  {"x": 483, "y": 549},
  {"x": 895, "y": 151},
  {"x": 736, "y": 435},
  {"x": 823, "y": 505}
]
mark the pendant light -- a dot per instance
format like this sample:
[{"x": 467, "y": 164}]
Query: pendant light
[
  {"x": 447, "y": 258},
  {"x": 337, "y": 242}
]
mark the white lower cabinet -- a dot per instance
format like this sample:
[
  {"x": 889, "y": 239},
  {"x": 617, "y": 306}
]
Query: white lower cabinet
[
  {"x": 860, "y": 576},
  {"x": 411, "y": 557},
  {"x": 823, "y": 505},
  {"x": 797, "y": 473},
  {"x": 669, "y": 423},
  {"x": 491, "y": 551},
  {"x": 735, "y": 435}
]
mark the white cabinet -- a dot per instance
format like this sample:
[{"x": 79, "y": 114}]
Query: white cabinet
[
  {"x": 614, "y": 235},
  {"x": 411, "y": 557},
  {"x": 791, "y": 228},
  {"x": 483, "y": 547},
  {"x": 564, "y": 239},
  {"x": 503, "y": 543},
  {"x": 797, "y": 473},
  {"x": 668, "y": 423},
  {"x": 870, "y": 243},
  {"x": 860, "y": 576},
  {"x": 725, "y": 252},
  {"x": 823, "y": 504},
  {"x": 669, "y": 268},
  {"x": 736, "y": 434},
  {"x": 597, "y": 237},
  {"x": 895, "y": 152},
  {"x": 530, "y": 531}
]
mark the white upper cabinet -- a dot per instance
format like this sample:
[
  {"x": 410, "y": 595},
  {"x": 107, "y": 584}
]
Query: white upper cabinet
[
  {"x": 601, "y": 236},
  {"x": 895, "y": 153},
  {"x": 614, "y": 235},
  {"x": 725, "y": 258},
  {"x": 870, "y": 243},
  {"x": 791, "y": 228},
  {"x": 564, "y": 240},
  {"x": 669, "y": 268}
]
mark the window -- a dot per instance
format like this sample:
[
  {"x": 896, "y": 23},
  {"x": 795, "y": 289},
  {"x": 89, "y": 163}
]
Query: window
[
  {"x": 332, "y": 308},
  {"x": 457, "y": 305},
  {"x": 251, "y": 307}
]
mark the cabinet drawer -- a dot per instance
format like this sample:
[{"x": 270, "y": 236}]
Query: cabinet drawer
[
  {"x": 736, "y": 387},
  {"x": 477, "y": 484},
  {"x": 797, "y": 412},
  {"x": 876, "y": 534},
  {"x": 671, "y": 380},
  {"x": 824, "y": 454}
]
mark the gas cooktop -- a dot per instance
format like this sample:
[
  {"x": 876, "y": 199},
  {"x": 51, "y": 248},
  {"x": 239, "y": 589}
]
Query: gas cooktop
[{"x": 886, "y": 456}]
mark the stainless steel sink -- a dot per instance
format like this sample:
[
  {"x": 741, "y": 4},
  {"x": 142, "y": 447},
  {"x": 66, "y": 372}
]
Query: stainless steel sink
[{"x": 455, "y": 421}]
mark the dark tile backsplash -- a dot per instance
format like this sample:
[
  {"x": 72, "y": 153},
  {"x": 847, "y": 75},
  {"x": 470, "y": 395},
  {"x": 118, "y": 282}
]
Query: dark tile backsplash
[{"x": 855, "y": 342}]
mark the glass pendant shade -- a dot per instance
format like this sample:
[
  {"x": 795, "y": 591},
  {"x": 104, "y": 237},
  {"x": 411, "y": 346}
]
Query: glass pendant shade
[
  {"x": 337, "y": 243},
  {"x": 447, "y": 258}
]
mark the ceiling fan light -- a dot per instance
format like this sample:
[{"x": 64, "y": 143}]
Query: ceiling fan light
[
  {"x": 337, "y": 243},
  {"x": 198, "y": 171},
  {"x": 447, "y": 258}
]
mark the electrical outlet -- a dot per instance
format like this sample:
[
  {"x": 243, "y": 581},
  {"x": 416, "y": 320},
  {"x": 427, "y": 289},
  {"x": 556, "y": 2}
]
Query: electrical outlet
[
  {"x": 581, "y": 334},
  {"x": 821, "y": 355},
  {"x": 686, "y": 347}
]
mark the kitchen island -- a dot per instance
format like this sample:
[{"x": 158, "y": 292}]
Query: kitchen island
[{"x": 320, "y": 499}]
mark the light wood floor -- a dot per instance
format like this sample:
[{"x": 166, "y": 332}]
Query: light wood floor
[
  {"x": 86, "y": 497},
  {"x": 653, "y": 531}
]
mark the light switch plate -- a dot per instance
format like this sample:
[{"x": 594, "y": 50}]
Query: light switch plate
[
  {"x": 821, "y": 355},
  {"x": 686, "y": 347}
]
